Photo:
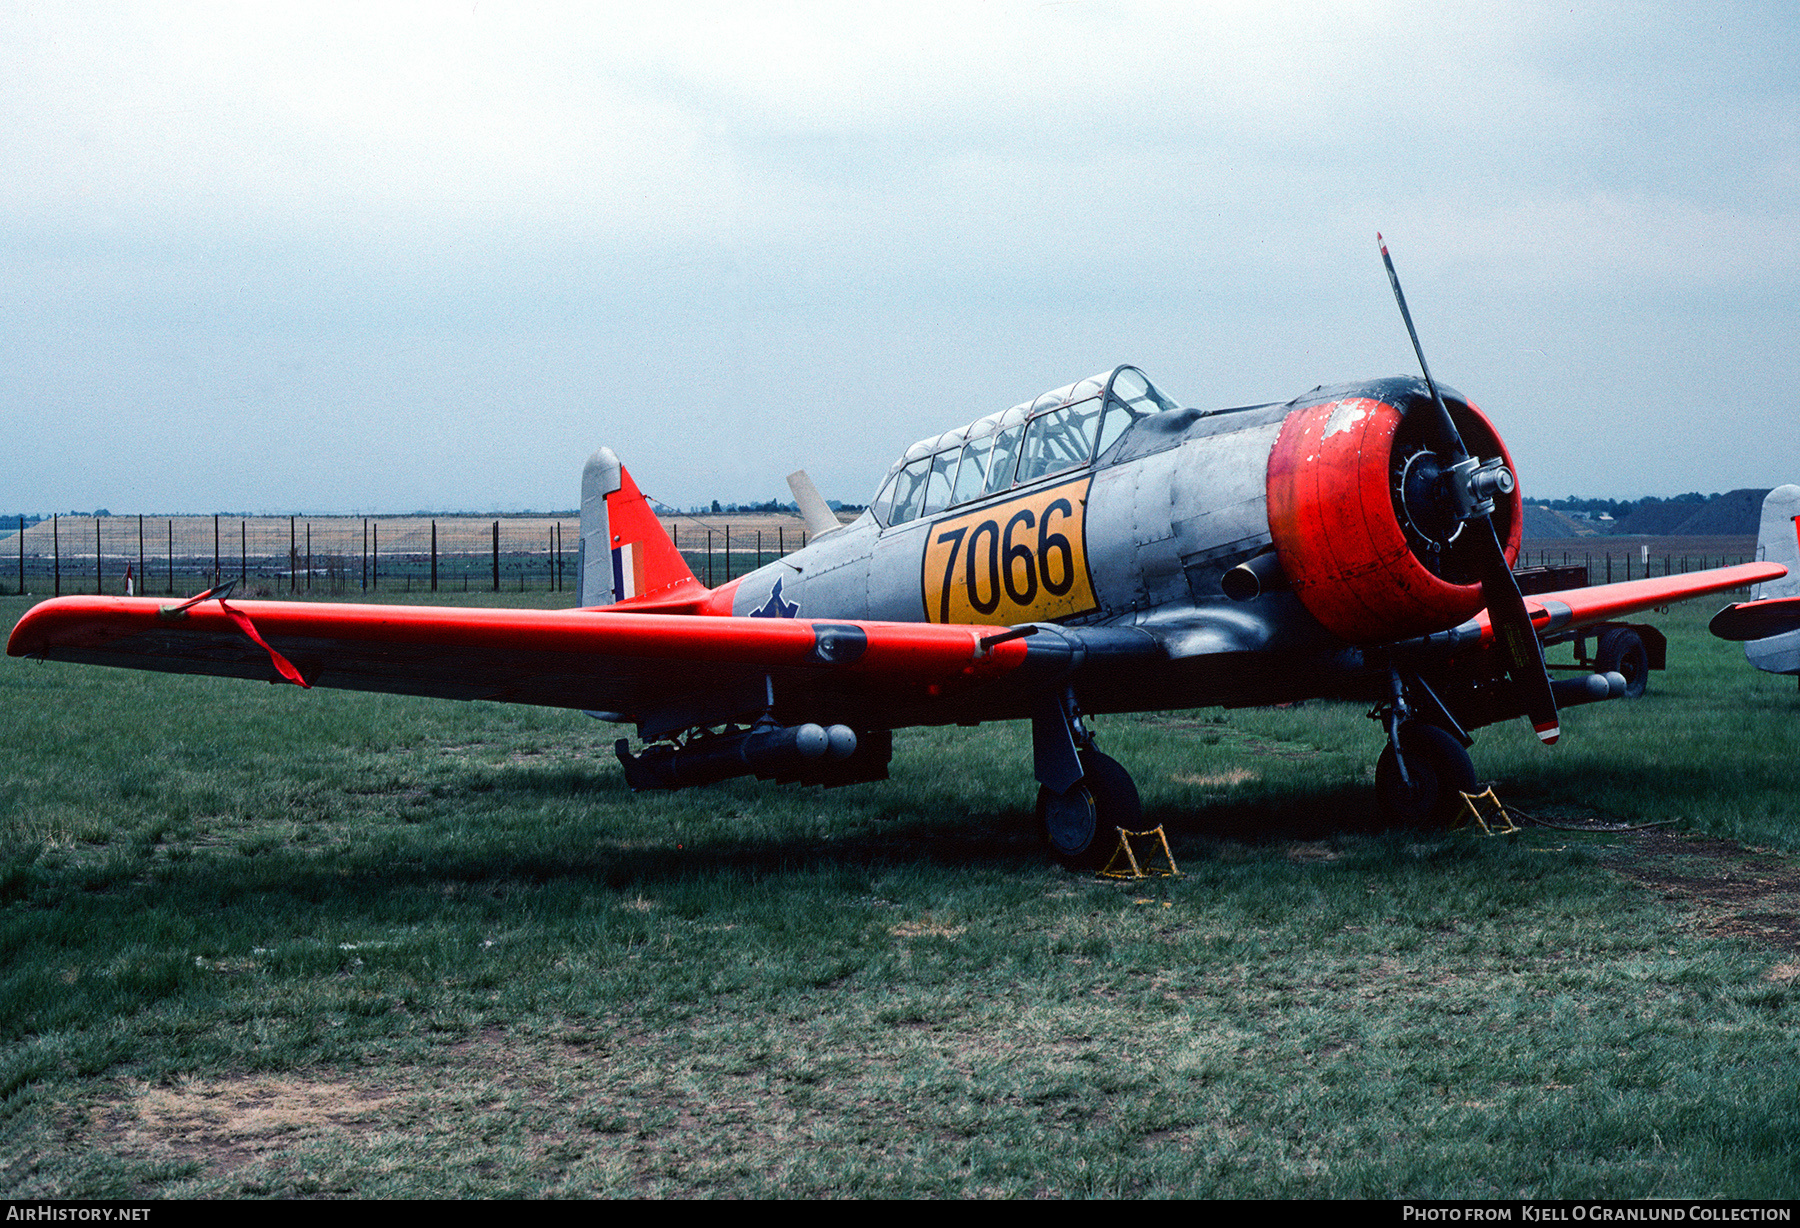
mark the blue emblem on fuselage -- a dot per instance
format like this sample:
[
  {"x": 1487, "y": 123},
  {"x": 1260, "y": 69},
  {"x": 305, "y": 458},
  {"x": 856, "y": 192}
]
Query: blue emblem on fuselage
[{"x": 775, "y": 607}]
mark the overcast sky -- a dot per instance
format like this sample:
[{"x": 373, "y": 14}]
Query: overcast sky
[{"x": 386, "y": 257}]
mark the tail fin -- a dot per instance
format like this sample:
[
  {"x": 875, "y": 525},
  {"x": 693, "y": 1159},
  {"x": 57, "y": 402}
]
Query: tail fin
[
  {"x": 625, "y": 555},
  {"x": 813, "y": 509},
  {"x": 1778, "y": 541}
]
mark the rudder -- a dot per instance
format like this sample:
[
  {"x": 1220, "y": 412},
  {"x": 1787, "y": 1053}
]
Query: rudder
[
  {"x": 1778, "y": 541},
  {"x": 625, "y": 554}
]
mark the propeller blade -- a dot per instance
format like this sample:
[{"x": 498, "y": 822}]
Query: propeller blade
[
  {"x": 1513, "y": 631},
  {"x": 1449, "y": 438},
  {"x": 1517, "y": 637}
]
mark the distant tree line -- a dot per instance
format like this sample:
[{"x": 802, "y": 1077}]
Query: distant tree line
[
  {"x": 10, "y": 520},
  {"x": 1732, "y": 512},
  {"x": 1619, "y": 509}
]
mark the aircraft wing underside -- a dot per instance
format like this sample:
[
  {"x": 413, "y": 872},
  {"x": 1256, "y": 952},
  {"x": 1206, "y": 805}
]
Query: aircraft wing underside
[
  {"x": 668, "y": 672},
  {"x": 662, "y": 672}
]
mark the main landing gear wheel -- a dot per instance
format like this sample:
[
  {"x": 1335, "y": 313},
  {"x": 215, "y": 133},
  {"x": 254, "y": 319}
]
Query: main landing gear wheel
[
  {"x": 1079, "y": 822},
  {"x": 1438, "y": 771},
  {"x": 1622, "y": 649}
]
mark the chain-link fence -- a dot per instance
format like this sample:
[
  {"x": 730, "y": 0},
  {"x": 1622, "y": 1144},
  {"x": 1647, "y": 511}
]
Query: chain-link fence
[
  {"x": 338, "y": 555},
  {"x": 1642, "y": 559},
  {"x": 334, "y": 556}
]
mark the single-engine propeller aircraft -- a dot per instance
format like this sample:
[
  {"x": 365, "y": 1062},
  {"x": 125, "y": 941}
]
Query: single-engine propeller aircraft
[
  {"x": 1769, "y": 623},
  {"x": 1098, "y": 549}
]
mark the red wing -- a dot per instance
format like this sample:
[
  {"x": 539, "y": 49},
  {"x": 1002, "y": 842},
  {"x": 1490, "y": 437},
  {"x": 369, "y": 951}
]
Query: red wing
[
  {"x": 632, "y": 664},
  {"x": 1578, "y": 607}
]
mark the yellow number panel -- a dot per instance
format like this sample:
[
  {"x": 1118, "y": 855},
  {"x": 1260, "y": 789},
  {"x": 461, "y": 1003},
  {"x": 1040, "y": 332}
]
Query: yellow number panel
[{"x": 1021, "y": 561}]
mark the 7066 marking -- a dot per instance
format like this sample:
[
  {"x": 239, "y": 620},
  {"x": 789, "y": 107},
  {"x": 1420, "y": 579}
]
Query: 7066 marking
[{"x": 1020, "y": 561}]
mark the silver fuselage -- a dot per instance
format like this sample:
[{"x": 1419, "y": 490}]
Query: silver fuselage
[{"x": 1138, "y": 538}]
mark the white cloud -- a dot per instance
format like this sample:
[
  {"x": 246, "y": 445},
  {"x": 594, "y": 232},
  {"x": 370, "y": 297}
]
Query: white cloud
[{"x": 799, "y": 215}]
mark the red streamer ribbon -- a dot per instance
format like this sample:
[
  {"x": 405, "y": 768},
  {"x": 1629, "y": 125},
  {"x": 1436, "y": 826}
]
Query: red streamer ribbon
[{"x": 283, "y": 666}]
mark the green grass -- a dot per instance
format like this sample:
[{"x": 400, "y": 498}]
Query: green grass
[{"x": 265, "y": 942}]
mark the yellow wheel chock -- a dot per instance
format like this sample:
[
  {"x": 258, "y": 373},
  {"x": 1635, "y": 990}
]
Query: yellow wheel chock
[
  {"x": 1112, "y": 869},
  {"x": 1489, "y": 813}
]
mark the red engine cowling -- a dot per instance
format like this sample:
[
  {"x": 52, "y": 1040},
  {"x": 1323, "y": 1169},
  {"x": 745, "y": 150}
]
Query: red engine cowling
[{"x": 1343, "y": 530}]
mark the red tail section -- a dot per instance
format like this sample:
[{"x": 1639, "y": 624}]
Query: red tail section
[
  {"x": 645, "y": 562},
  {"x": 631, "y": 563}
]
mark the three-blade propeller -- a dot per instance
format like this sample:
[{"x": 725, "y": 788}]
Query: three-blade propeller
[{"x": 1471, "y": 485}]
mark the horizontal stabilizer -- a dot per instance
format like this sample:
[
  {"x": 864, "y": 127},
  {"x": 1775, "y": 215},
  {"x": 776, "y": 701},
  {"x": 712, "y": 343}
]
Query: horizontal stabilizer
[{"x": 1757, "y": 620}]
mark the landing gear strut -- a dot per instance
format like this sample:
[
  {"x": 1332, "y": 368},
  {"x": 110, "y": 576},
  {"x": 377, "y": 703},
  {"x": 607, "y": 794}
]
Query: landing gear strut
[
  {"x": 1438, "y": 772},
  {"x": 1079, "y": 823},
  {"x": 1083, "y": 795},
  {"x": 1422, "y": 775}
]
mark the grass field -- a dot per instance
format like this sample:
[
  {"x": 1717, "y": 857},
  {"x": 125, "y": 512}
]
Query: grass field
[{"x": 266, "y": 942}]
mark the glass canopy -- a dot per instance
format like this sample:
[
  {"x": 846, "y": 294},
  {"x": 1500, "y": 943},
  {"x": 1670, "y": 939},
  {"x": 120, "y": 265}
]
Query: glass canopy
[{"x": 1058, "y": 432}]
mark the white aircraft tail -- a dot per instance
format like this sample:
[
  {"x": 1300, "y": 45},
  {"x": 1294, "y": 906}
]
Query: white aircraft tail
[
  {"x": 818, "y": 515},
  {"x": 626, "y": 557},
  {"x": 1778, "y": 541}
]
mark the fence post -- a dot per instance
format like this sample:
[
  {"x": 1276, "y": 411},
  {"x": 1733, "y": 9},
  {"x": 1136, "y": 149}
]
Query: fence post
[
  {"x": 365, "y": 571},
  {"x": 56, "y": 555},
  {"x": 21, "y": 556},
  {"x": 434, "y": 556},
  {"x": 293, "y": 558},
  {"x": 496, "y": 556},
  {"x": 171, "y": 557},
  {"x": 309, "y": 556},
  {"x": 375, "y": 556},
  {"x": 709, "y": 582},
  {"x": 244, "y": 552},
  {"x": 98, "y": 586},
  {"x": 728, "y": 552},
  {"x": 216, "y": 547},
  {"x": 143, "y": 580}
]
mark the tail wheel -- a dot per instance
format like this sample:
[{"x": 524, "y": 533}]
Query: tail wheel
[
  {"x": 1438, "y": 772},
  {"x": 1079, "y": 822},
  {"x": 1622, "y": 649}
]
